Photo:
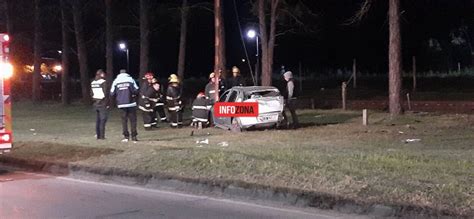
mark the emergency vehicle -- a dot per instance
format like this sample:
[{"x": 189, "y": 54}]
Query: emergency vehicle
[{"x": 6, "y": 72}]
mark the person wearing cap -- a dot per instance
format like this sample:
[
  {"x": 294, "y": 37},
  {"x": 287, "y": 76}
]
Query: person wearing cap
[
  {"x": 124, "y": 89},
  {"x": 101, "y": 103},
  {"x": 236, "y": 79},
  {"x": 173, "y": 101},
  {"x": 289, "y": 95},
  {"x": 201, "y": 108},
  {"x": 149, "y": 95}
]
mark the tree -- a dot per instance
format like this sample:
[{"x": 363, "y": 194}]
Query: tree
[
  {"x": 394, "y": 53},
  {"x": 219, "y": 56},
  {"x": 81, "y": 51},
  {"x": 36, "y": 88},
  {"x": 267, "y": 38},
  {"x": 144, "y": 37},
  {"x": 109, "y": 43},
  {"x": 65, "y": 55},
  {"x": 182, "y": 38},
  {"x": 395, "y": 58}
]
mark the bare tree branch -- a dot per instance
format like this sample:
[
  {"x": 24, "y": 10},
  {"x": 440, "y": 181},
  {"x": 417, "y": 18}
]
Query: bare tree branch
[{"x": 362, "y": 13}]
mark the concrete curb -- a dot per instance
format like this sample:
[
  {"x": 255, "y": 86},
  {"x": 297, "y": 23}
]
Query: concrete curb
[{"x": 228, "y": 188}]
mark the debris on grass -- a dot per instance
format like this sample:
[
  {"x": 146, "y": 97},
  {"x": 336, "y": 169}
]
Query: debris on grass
[
  {"x": 203, "y": 141},
  {"x": 32, "y": 130},
  {"x": 411, "y": 140},
  {"x": 224, "y": 144}
]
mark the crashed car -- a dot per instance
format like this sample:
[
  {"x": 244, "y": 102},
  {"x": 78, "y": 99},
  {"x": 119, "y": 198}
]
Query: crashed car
[{"x": 270, "y": 108}]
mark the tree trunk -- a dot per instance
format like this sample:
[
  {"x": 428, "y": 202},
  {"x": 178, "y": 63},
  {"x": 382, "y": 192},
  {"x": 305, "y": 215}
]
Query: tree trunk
[
  {"x": 36, "y": 88},
  {"x": 267, "y": 78},
  {"x": 264, "y": 39},
  {"x": 81, "y": 51},
  {"x": 395, "y": 59},
  {"x": 109, "y": 43},
  {"x": 219, "y": 56},
  {"x": 65, "y": 56},
  {"x": 144, "y": 37},
  {"x": 182, "y": 40},
  {"x": 8, "y": 17}
]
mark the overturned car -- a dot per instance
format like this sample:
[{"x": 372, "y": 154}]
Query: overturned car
[{"x": 270, "y": 108}]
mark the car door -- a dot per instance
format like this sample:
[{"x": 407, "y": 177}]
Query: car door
[{"x": 221, "y": 121}]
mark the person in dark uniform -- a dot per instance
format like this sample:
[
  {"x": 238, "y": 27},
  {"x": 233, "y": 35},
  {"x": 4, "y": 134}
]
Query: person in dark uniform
[
  {"x": 201, "y": 108},
  {"x": 289, "y": 100},
  {"x": 101, "y": 103},
  {"x": 174, "y": 103},
  {"x": 160, "y": 105},
  {"x": 236, "y": 79},
  {"x": 124, "y": 89},
  {"x": 149, "y": 94}
]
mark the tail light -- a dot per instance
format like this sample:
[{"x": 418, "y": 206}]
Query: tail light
[{"x": 5, "y": 138}]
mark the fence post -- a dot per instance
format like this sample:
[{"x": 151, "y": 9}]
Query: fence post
[
  {"x": 354, "y": 72},
  {"x": 459, "y": 67},
  {"x": 414, "y": 74},
  {"x": 344, "y": 92},
  {"x": 301, "y": 77},
  {"x": 409, "y": 101},
  {"x": 365, "y": 117}
]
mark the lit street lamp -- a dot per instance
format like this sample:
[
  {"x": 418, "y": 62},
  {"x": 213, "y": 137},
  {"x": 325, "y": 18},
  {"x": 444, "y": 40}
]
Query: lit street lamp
[
  {"x": 123, "y": 47},
  {"x": 251, "y": 34}
]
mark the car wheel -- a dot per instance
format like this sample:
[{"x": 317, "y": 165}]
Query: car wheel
[{"x": 236, "y": 127}]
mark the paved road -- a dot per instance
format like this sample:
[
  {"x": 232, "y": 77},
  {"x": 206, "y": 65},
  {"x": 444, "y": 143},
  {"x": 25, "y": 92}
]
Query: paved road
[{"x": 29, "y": 195}]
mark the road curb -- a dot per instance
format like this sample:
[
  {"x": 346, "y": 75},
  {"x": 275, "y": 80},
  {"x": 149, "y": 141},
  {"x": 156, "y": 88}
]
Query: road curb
[{"x": 230, "y": 188}]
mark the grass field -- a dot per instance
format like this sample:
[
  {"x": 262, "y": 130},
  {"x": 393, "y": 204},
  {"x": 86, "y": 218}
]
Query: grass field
[{"x": 332, "y": 154}]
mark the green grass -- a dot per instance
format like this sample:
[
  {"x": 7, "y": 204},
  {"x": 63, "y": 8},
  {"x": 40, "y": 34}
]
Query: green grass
[{"x": 333, "y": 154}]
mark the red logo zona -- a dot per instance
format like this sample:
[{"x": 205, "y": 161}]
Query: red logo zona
[{"x": 226, "y": 109}]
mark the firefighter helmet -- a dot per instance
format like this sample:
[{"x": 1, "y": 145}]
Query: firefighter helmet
[
  {"x": 235, "y": 70},
  {"x": 201, "y": 94},
  {"x": 173, "y": 78},
  {"x": 149, "y": 75},
  {"x": 212, "y": 75}
]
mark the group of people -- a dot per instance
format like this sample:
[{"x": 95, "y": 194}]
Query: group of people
[{"x": 152, "y": 100}]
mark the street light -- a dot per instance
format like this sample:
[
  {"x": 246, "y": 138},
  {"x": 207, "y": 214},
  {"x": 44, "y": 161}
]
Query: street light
[
  {"x": 123, "y": 47},
  {"x": 251, "y": 34}
]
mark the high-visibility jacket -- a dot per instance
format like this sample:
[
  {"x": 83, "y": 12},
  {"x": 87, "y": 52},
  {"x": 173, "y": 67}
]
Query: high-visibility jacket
[
  {"x": 125, "y": 89},
  {"x": 148, "y": 97},
  {"x": 98, "y": 88}
]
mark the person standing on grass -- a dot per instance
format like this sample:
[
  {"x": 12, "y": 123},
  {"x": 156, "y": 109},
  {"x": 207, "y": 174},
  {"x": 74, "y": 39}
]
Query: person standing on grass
[
  {"x": 149, "y": 94},
  {"x": 289, "y": 99},
  {"x": 125, "y": 89},
  {"x": 173, "y": 101},
  {"x": 101, "y": 103}
]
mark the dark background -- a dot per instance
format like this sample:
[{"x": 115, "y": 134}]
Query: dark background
[{"x": 332, "y": 44}]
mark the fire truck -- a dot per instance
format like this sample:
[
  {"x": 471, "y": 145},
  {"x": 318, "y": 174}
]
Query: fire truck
[{"x": 6, "y": 72}]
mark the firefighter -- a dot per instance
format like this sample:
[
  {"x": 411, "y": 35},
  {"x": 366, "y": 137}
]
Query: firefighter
[
  {"x": 236, "y": 79},
  {"x": 101, "y": 103},
  {"x": 289, "y": 99},
  {"x": 201, "y": 108},
  {"x": 124, "y": 89},
  {"x": 173, "y": 101},
  {"x": 160, "y": 106},
  {"x": 149, "y": 94},
  {"x": 211, "y": 88}
]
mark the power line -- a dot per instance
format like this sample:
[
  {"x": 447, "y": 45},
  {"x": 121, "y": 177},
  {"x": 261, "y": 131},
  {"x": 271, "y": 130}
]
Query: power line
[{"x": 242, "y": 39}]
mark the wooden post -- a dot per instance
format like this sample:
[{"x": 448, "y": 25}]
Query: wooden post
[
  {"x": 312, "y": 103},
  {"x": 354, "y": 72},
  {"x": 459, "y": 67},
  {"x": 414, "y": 74},
  {"x": 344, "y": 92},
  {"x": 365, "y": 117},
  {"x": 409, "y": 101},
  {"x": 301, "y": 77}
]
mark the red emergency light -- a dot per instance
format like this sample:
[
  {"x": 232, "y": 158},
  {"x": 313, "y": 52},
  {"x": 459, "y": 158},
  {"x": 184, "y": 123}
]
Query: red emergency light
[
  {"x": 6, "y": 38},
  {"x": 5, "y": 138}
]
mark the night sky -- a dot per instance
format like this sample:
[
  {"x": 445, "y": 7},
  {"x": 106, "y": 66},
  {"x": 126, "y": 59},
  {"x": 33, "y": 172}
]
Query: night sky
[{"x": 331, "y": 44}]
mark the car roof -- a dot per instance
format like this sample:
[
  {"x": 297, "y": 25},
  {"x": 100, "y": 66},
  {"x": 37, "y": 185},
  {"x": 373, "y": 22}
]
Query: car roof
[{"x": 252, "y": 89}]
